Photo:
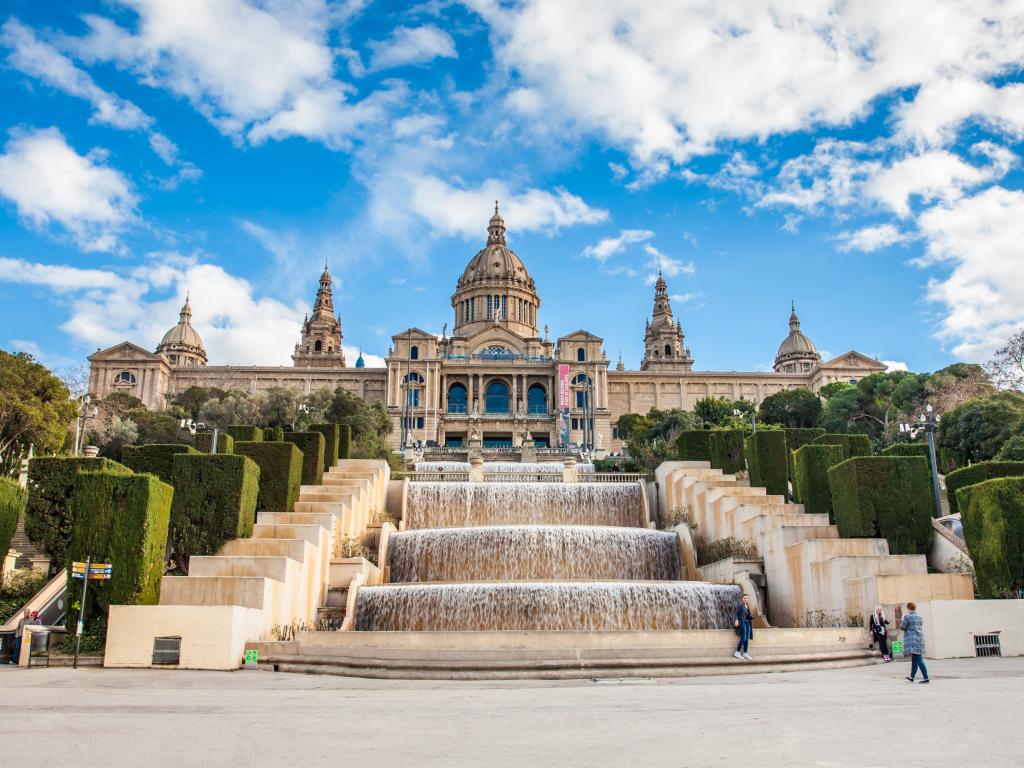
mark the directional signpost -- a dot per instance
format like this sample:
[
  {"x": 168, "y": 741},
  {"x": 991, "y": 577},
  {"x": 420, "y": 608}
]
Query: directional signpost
[{"x": 87, "y": 571}]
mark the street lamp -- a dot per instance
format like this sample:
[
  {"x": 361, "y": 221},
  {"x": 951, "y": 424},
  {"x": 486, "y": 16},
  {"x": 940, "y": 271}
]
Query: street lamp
[
  {"x": 928, "y": 423},
  {"x": 84, "y": 413},
  {"x": 753, "y": 418}
]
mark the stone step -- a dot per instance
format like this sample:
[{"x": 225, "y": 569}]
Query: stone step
[
  {"x": 240, "y": 565},
  {"x": 310, "y": 533},
  {"x": 337, "y": 597},
  {"x": 291, "y": 548},
  {"x": 864, "y": 566},
  {"x": 246, "y": 591},
  {"x": 822, "y": 549},
  {"x": 326, "y": 519}
]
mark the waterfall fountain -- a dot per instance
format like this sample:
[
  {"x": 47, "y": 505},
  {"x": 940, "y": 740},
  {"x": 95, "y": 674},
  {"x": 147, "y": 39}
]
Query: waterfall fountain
[{"x": 516, "y": 467}]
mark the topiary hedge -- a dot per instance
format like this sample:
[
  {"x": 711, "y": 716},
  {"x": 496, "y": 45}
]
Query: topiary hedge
[
  {"x": 797, "y": 438},
  {"x": 767, "y": 461},
  {"x": 332, "y": 436},
  {"x": 12, "y": 504},
  {"x": 992, "y": 513},
  {"x": 280, "y": 473},
  {"x": 976, "y": 473},
  {"x": 51, "y": 483},
  {"x": 273, "y": 434},
  {"x": 694, "y": 445},
  {"x": 811, "y": 464},
  {"x": 312, "y": 446},
  {"x": 214, "y": 501},
  {"x": 344, "y": 441},
  {"x": 225, "y": 442},
  {"x": 245, "y": 432},
  {"x": 155, "y": 459},
  {"x": 122, "y": 520},
  {"x": 909, "y": 449},
  {"x": 853, "y": 445},
  {"x": 727, "y": 450},
  {"x": 884, "y": 496}
]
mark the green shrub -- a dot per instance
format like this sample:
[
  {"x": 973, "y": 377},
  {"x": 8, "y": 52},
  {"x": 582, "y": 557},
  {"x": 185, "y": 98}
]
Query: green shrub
[
  {"x": 121, "y": 520},
  {"x": 273, "y": 434},
  {"x": 51, "y": 482},
  {"x": 797, "y": 438},
  {"x": 345, "y": 441},
  {"x": 155, "y": 459},
  {"x": 225, "y": 442},
  {"x": 694, "y": 445},
  {"x": 280, "y": 473},
  {"x": 909, "y": 449},
  {"x": 18, "y": 587},
  {"x": 332, "y": 436},
  {"x": 727, "y": 450},
  {"x": 853, "y": 445},
  {"x": 245, "y": 432},
  {"x": 976, "y": 473},
  {"x": 12, "y": 504},
  {"x": 992, "y": 513},
  {"x": 811, "y": 464},
  {"x": 214, "y": 501},
  {"x": 886, "y": 496},
  {"x": 767, "y": 461},
  {"x": 312, "y": 446},
  {"x": 950, "y": 460}
]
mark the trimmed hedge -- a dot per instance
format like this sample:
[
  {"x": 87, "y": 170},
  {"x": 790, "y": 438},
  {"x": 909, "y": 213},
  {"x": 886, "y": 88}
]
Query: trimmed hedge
[
  {"x": 345, "y": 441},
  {"x": 694, "y": 445},
  {"x": 245, "y": 432},
  {"x": 51, "y": 483},
  {"x": 992, "y": 513},
  {"x": 811, "y": 464},
  {"x": 976, "y": 473},
  {"x": 767, "y": 461},
  {"x": 727, "y": 450},
  {"x": 853, "y": 445},
  {"x": 909, "y": 449},
  {"x": 280, "y": 473},
  {"x": 797, "y": 438},
  {"x": 312, "y": 446},
  {"x": 332, "y": 436},
  {"x": 121, "y": 520},
  {"x": 884, "y": 496},
  {"x": 155, "y": 459},
  {"x": 225, "y": 442},
  {"x": 273, "y": 434},
  {"x": 214, "y": 501},
  {"x": 12, "y": 504}
]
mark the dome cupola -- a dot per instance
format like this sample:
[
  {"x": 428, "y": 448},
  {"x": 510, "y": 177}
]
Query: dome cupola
[
  {"x": 797, "y": 353},
  {"x": 181, "y": 345}
]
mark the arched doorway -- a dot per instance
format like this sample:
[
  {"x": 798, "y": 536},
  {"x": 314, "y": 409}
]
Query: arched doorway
[
  {"x": 537, "y": 399},
  {"x": 496, "y": 397},
  {"x": 457, "y": 399}
]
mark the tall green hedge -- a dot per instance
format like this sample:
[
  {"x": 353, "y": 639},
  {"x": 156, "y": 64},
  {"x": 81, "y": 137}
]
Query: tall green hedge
[
  {"x": 976, "y": 473},
  {"x": 280, "y": 473},
  {"x": 12, "y": 504},
  {"x": 853, "y": 445},
  {"x": 992, "y": 513},
  {"x": 909, "y": 449},
  {"x": 767, "y": 461},
  {"x": 694, "y": 445},
  {"x": 885, "y": 496},
  {"x": 51, "y": 482},
  {"x": 122, "y": 520},
  {"x": 332, "y": 436},
  {"x": 811, "y": 464},
  {"x": 155, "y": 459},
  {"x": 214, "y": 501},
  {"x": 312, "y": 446},
  {"x": 225, "y": 442},
  {"x": 273, "y": 434},
  {"x": 727, "y": 450},
  {"x": 797, "y": 438},
  {"x": 345, "y": 441},
  {"x": 245, "y": 432}
]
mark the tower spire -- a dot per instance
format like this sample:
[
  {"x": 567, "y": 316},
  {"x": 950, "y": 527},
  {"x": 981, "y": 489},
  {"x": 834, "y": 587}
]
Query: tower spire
[{"x": 496, "y": 228}]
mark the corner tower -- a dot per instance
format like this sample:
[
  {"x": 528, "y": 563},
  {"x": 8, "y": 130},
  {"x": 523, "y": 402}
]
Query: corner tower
[
  {"x": 664, "y": 343},
  {"x": 320, "y": 341}
]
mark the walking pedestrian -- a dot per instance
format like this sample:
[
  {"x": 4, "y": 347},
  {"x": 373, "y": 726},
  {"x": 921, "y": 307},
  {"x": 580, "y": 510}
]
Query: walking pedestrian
[
  {"x": 878, "y": 625},
  {"x": 744, "y": 624},
  {"x": 913, "y": 642}
]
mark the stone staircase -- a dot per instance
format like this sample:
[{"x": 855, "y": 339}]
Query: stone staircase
[
  {"x": 814, "y": 576},
  {"x": 20, "y": 543}
]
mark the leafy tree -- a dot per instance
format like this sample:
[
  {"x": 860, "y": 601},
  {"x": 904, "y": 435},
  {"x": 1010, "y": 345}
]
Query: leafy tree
[
  {"x": 869, "y": 407},
  {"x": 235, "y": 407},
  {"x": 630, "y": 424},
  {"x": 791, "y": 408},
  {"x": 1012, "y": 450},
  {"x": 1007, "y": 365},
  {"x": 280, "y": 407},
  {"x": 947, "y": 388},
  {"x": 110, "y": 437},
  {"x": 347, "y": 408},
  {"x": 978, "y": 428},
  {"x": 714, "y": 411},
  {"x": 35, "y": 410},
  {"x": 830, "y": 390},
  {"x": 194, "y": 398},
  {"x": 653, "y": 437}
]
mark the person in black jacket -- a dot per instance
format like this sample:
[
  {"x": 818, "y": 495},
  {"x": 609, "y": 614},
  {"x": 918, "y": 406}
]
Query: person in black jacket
[
  {"x": 878, "y": 625},
  {"x": 744, "y": 624}
]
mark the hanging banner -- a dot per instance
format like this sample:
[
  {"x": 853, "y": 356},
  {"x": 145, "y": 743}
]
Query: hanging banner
[{"x": 563, "y": 387}]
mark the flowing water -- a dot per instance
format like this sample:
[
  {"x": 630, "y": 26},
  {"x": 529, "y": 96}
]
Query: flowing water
[
  {"x": 513, "y": 467},
  {"x": 533, "y": 552}
]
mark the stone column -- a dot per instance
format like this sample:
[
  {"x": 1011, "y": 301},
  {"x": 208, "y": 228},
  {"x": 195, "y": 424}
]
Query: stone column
[
  {"x": 476, "y": 468},
  {"x": 571, "y": 473}
]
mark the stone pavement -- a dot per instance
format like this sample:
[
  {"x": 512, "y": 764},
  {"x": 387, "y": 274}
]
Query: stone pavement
[{"x": 867, "y": 716}]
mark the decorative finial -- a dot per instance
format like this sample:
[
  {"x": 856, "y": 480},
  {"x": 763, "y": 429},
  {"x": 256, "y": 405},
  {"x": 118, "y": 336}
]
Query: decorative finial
[
  {"x": 187, "y": 294},
  {"x": 495, "y": 207},
  {"x": 325, "y": 263},
  {"x": 792, "y": 306}
]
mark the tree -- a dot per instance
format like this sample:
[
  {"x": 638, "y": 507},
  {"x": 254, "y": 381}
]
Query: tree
[
  {"x": 947, "y": 388},
  {"x": 791, "y": 408},
  {"x": 978, "y": 428},
  {"x": 630, "y": 424},
  {"x": 829, "y": 390},
  {"x": 653, "y": 437},
  {"x": 714, "y": 411},
  {"x": 872, "y": 405},
  {"x": 194, "y": 398},
  {"x": 35, "y": 410},
  {"x": 110, "y": 437},
  {"x": 235, "y": 407},
  {"x": 280, "y": 408},
  {"x": 1012, "y": 450},
  {"x": 1007, "y": 365},
  {"x": 346, "y": 408}
]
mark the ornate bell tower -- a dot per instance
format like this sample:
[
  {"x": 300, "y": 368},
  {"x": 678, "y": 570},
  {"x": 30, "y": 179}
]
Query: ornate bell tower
[
  {"x": 320, "y": 343},
  {"x": 664, "y": 342}
]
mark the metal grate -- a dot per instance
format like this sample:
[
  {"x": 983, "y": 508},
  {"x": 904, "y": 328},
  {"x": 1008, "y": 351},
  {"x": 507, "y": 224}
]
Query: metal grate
[
  {"x": 166, "y": 650},
  {"x": 987, "y": 645}
]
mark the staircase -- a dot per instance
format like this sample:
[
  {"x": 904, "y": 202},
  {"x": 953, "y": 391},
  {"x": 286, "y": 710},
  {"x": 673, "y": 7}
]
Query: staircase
[{"x": 26, "y": 550}]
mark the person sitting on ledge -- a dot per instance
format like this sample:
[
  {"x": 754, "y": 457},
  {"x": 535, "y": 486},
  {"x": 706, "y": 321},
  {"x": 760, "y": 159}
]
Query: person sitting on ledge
[
  {"x": 744, "y": 623},
  {"x": 878, "y": 625}
]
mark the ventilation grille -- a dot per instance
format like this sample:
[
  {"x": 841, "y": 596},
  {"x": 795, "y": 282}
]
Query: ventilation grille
[
  {"x": 166, "y": 650},
  {"x": 987, "y": 645}
]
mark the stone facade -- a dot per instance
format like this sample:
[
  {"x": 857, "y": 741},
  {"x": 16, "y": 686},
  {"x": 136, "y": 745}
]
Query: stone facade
[{"x": 496, "y": 377}]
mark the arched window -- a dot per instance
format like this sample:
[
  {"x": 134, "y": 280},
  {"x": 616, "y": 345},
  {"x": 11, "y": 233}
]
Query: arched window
[
  {"x": 413, "y": 378},
  {"x": 457, "y": 398},
  {"x": 497, "y": 397},
  {"x": 536, "y": 399},
  {"x": 318, "y": 346},
  {"x": 414, "y": 353},
  {"x": 125, "y": 377},
  {"x": 668, "y": 350},
  {"x": 581, "y": 381},
  {"x": 581, "y": 355}
]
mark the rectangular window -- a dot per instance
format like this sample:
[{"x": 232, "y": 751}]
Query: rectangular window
[
  {"x": 419, "y": 422},
  {"x": 414, "y": 397},
  {"x": 472, "y": 309},
  {"x": 615, "y": 433},
  {"x": 504, "y": 307},
  {"x": 488, "y": 306}
]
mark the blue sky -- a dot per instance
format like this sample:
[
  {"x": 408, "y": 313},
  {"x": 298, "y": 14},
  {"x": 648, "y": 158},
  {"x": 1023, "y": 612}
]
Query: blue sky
[{"x": 861, "y": 159}]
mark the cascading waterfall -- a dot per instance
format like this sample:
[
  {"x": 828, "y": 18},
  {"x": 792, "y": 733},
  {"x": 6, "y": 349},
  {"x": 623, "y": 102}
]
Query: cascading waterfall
[
  {"x": 604, "y": 606},
  {"x": 458, "y": 505},
  {"x": 533, "y": 552},
  {"x": 513, "y": 467}
]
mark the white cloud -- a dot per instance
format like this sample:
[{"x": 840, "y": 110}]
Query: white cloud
[
  {"x": 871, "y": 239},
  {"x": 894, "y": 365},
  {"x": 979, "y": 239},
  {"x": 50, "y": 183},
  {"x": 352, "y": 354},
  {"x": 939, "y": 108},
  {"x": 411, "y": 45},
  {"x": 606, "y": 248},
  {"x": 683, "y": 298},
  {"x": 670, "y": 267}
]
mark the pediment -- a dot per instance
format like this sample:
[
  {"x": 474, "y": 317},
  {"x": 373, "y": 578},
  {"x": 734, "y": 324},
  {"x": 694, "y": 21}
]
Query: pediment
[
  {"x": 125, "y": 351},
  {"x": 856, "y": 360},
  {"x": 413, "y": 333},
  {"x": 580, "y": 335}
]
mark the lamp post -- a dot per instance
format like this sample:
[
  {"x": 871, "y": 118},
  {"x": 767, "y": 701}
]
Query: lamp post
[
  {"x": 753, "y": 418},
  {"x": 928, "y": 423},
  {"x": 85, "y": 413}
]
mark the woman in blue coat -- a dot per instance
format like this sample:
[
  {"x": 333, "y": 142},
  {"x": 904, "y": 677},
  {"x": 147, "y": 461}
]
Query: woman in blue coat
[{"x": 912, "y": 628}]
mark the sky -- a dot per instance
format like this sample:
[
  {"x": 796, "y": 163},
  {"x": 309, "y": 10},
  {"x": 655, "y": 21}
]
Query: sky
[{"x": 859, "y": 158}]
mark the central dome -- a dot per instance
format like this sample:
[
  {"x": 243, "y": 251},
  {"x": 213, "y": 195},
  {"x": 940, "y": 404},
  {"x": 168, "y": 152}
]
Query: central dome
[{"x": 495, "y": 261}]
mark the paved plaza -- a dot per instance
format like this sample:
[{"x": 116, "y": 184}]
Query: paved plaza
[{"x": 867, "y": 716}]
